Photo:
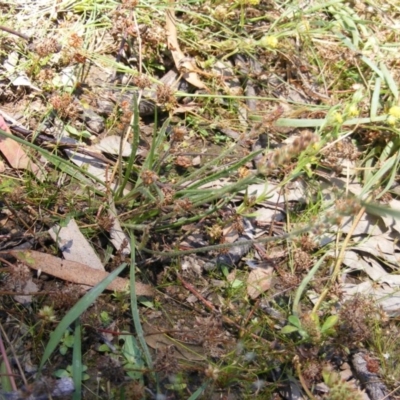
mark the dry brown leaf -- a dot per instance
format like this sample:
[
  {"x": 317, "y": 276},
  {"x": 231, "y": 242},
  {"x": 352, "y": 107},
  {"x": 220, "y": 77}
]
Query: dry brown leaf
[
  {"x": 74, "y": 245},
  {"x": 161, "y": 342},
  {"x": 259, "y": 281},
  {"x": 15, "y": 155},
  {"x": 182, "y": 63},
  {"x": 72, "y": 271}
]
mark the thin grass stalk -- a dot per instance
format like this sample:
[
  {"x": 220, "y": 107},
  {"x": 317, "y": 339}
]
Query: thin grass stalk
[
  {"x": 176, "y": 253},
  {"x": 208, "y": 165},
  {"x": 150, "y": 163},
  {"x": 392, "y": 177},
  {"x": 135, "y": 145},
  {"x": 339, "y": 260},
  {"x": 212, "y": 195},
  {"x": 189, "y": 220},
  {"x": 14, "y": 354},
  {"x": 228, "y": 171},
  {"x": 235, "y": 188}
]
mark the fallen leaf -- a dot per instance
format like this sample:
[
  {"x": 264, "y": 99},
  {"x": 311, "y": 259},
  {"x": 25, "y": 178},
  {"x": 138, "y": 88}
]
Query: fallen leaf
[
  {"x": 112, "y": 145},
  {"x": 72, "y": 271},
  {"x": 182, "y": 63},
  {"x": 259, "y": 281},
  {"x": 118, "y": 237},
  {"x": 161, "y": 342},
  {"x": 23, "y": 80},
  {"x": 74, "y": 245},
  {"x": 15, "y": 155},
  {"x": 387, "y": 296}
]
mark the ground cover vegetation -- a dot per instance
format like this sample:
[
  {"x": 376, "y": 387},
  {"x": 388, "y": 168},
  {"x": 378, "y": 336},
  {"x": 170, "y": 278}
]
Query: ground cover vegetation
[{"x": 199, "y": 199}]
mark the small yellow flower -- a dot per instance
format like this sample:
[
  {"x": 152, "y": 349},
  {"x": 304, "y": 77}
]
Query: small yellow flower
[
  {"x": 338, "y": 117},
  {"x": 253, "y": 2},
  {"x": 395, "y": 111},
  {"x": 391, "y": 120},
  {"x": 269, "y": 41},
  {"x": 353, "y": 111}
]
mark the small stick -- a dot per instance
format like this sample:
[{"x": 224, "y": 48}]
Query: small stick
[{"x": 9, "y": 30}]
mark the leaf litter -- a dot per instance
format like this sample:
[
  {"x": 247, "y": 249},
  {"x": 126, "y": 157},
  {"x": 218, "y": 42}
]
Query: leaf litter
[{"x": 215, "y": 74}]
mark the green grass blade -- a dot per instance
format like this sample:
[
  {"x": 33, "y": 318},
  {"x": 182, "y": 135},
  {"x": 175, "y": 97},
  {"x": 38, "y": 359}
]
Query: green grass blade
[
  {"x": 317, "y": 123},
  {"x": 77, "y": 367},
  {"x": 375, "y": 98},
  {"x": 135, "y": 145},
  {"x": 390, "y": 81},
  {"x": 5, "y": 380},
  {"x": 222, "y": 173},
  {"x": 82, "y": 305},
  {"x": 304, "y": 283},
  {"x": 64, "y": 165},
  {"x": 135, "y": 310},
  {"x": 380, "y": 210},
  {"x": 133, "y": 356},
  {"x": 199, "y": 391},
  {"x": 377, "y": 178}
]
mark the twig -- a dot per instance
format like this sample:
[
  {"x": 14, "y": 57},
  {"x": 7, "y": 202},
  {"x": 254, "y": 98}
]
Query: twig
[
  {"x": 6, "y": 362},
  {"x": 297, "y": 364},
  {"x": 21, "y": 35}
]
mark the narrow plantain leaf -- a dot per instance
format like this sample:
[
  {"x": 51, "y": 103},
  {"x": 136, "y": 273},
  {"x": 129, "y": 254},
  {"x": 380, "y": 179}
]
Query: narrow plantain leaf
[
  {"x": 329, "y": 323},
  {"x": 289, "y": 329},
  {"x": 304, "y": 284},
  {"x": 295, "y": 321}
]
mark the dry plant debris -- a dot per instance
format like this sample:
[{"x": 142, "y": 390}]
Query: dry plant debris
[{"x": 241, "y": 157}]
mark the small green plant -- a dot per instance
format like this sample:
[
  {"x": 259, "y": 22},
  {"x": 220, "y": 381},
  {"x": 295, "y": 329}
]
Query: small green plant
[
  {"x": 338, "y": 388},
  {"x": 310, "y": 328},
  {"x": 47, "y": 314},
  {"x": 67, "y": 373},
  {"x": 105, "y": 318},
  {"x": 67, "y": 342}
]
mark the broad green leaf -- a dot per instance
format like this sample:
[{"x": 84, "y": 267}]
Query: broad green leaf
[
  {"x": 289, "y": 329},
  {"x": 329, "y": 323},
  {"x": 295, "y": 321},
  {"x": 133, "y": 355}
]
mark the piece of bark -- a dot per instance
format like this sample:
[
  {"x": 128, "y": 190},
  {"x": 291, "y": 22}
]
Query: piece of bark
[
  {"x": 72, "y": 271},
  {"x": 376, "y": 389}
]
